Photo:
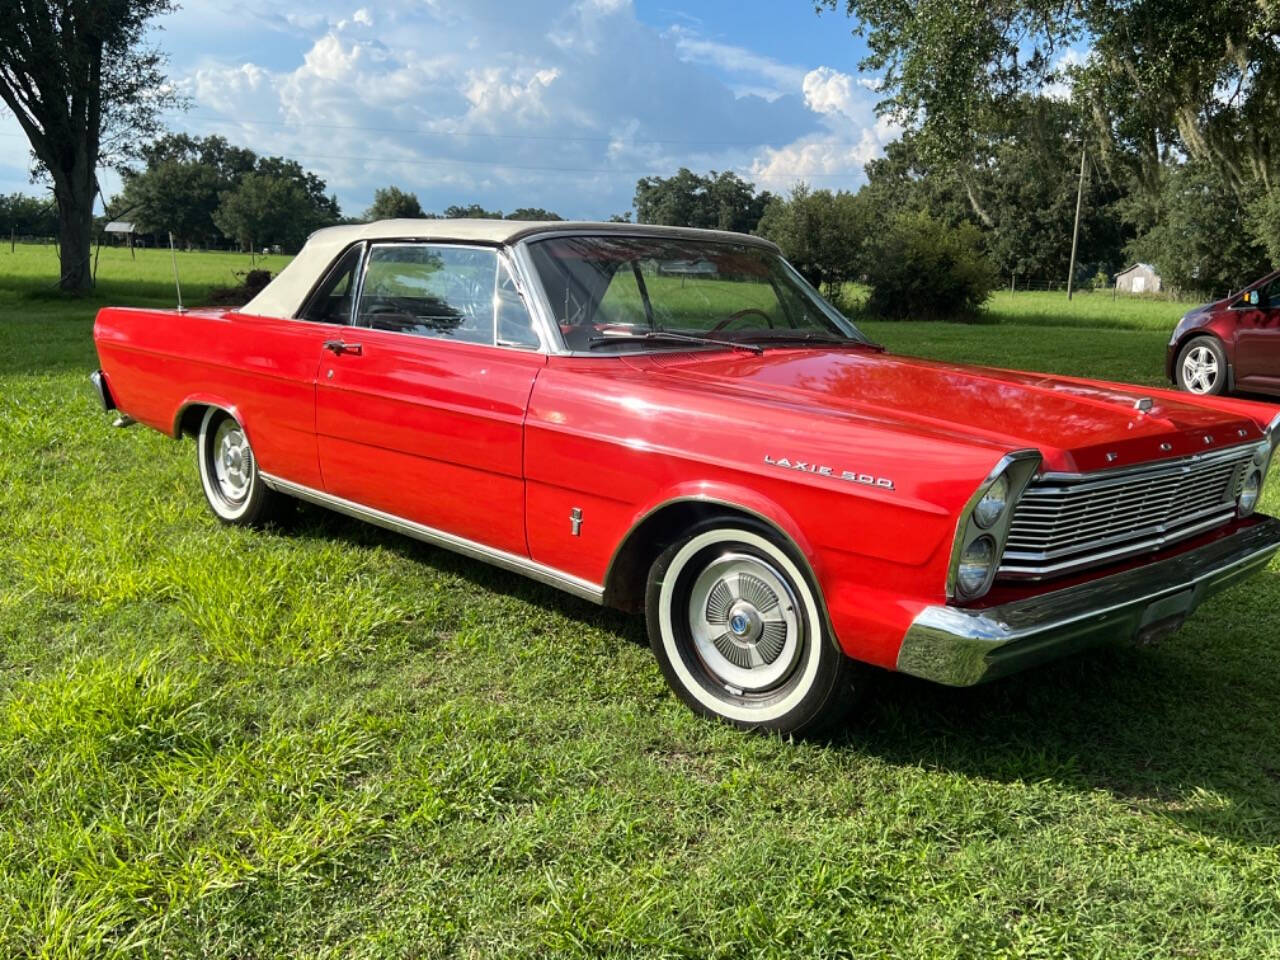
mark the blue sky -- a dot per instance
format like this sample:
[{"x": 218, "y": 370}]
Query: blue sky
[{"x": 560, "y": 104}]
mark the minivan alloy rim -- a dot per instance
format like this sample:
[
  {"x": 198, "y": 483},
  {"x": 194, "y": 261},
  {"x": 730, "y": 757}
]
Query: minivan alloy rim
[{"x": 1200, "y": 370}]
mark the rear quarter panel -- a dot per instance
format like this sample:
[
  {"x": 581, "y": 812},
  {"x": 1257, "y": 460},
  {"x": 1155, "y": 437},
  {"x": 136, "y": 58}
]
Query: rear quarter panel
[{"x": 158, "y": 362}]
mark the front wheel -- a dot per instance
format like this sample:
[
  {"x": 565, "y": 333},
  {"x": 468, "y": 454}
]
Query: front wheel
[
  {"x": 1202, "y": 367},
  {"x": 739, "y": 633},
  {"x": 229, "y": 473}
]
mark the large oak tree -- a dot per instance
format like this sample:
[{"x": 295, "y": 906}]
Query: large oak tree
[
  {"x": 87, "y": 89},
  {"x": 1195, "y": 77}
]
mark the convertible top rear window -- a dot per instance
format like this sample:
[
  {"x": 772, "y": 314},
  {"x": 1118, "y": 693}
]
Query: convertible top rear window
[{"x": 608, "y": 291}]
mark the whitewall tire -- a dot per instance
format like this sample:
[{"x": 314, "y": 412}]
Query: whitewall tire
[
  {"x": 740, "y": 634},
  {"x": 229, "y": 473}
]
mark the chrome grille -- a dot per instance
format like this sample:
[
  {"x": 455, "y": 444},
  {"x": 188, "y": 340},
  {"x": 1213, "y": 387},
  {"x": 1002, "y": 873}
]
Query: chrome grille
[{"x": 1068, "y": 522}]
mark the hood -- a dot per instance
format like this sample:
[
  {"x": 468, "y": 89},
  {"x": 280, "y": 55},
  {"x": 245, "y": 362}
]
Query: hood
[{"x": 1078, "y": 425}]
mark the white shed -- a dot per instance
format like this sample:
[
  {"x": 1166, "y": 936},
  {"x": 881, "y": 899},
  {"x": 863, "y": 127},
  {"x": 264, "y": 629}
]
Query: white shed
[{"x": 1140, "y": 278}]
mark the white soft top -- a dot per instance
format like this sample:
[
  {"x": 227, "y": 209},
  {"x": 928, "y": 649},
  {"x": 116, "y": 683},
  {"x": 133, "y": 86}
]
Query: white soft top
[{"x": 283, "y": 296}]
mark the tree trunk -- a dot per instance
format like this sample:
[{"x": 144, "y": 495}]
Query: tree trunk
[{"x": 74, "y": 190}]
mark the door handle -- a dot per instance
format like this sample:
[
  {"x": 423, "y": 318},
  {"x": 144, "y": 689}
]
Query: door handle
[{"x": 338, "y": 347}]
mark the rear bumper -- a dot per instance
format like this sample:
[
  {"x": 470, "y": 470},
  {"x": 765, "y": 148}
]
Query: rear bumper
[{"x": 961, "y": 647}]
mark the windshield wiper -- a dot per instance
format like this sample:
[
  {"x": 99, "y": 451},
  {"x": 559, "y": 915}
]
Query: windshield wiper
[
  {"x": 671, "y": 336},
  {"x": 762, "y": 337}
]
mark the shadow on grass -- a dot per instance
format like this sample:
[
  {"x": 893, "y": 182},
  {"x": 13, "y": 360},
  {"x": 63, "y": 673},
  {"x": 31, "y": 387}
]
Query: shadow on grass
[
  {"x": 1163, "y": 729},
  {"x": 313, "y": 522},
  {"x": 1159, "y": 729}
]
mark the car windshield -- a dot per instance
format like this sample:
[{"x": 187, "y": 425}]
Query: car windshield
[{"x": 626, "y": 292}]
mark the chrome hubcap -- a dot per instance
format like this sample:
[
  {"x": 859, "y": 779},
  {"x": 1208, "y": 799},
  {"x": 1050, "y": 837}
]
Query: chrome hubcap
[
  {"x": 232, "y": 461},
  {"x": 1200, "y": 370},
  {"x": 744, "y": 621}
]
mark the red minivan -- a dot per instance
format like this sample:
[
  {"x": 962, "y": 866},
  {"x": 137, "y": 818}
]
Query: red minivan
[{"x": 1230, "y": 345}]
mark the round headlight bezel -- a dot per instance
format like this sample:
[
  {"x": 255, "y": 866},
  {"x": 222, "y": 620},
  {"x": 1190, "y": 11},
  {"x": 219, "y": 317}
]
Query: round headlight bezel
[
  {"x": 993, "y": 503},
  {"x": 968, "y": 585},
  {"x": 1250, "y": 492}
]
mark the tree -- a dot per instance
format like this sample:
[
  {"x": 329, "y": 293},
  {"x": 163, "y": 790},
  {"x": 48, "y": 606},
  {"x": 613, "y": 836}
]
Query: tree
[
  {"x": 186, "y": 179},
  {"x": 27, "y": 216},
  {"x": 84, "y": 87},
  {"x": 321, "y": 209},
  {"x": 181, "y": 184},
  {"x": 822, "y": 233},
  {"x": 921, "y": 268},
  {"x": 532, "y": 213},
  {"x": 265, "y": 208},
  {"x": 1201, "y": 238},
  {"x": 392, "y": 203},
  {"x": 471, "y": 212},
  {"x": 1018, "y": 187},
  {"x": 718, "y": 201},
  {"x": 476, "y": 212},
  {"x": 1196, "y": 76}
]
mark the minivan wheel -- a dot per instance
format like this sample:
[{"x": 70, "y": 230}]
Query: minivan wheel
[
  {"x": 739, "y": 633},
  {"x": 1202, "y": 367}
]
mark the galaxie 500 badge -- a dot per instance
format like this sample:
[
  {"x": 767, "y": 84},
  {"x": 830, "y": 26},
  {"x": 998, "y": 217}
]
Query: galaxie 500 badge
[{"x": 866, "y": 479}]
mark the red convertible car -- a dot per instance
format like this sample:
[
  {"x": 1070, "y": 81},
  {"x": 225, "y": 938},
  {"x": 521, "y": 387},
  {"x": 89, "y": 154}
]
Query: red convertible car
[{"x": 713, "y": 445}]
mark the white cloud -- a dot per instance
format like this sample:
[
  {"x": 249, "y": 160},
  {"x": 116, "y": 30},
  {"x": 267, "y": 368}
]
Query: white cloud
[
  {"x": 555, "y": 103},
  {"x": 830, "y": 91},
  {"x": 835, "y": 157},
  {"x": 773, "y": 78},
  {"x": 495, "y": 91},
  {"x": 1072, "y": 58}
]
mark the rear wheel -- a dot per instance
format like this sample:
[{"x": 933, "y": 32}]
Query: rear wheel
[
  {"x": 740, "y": 635},
  {"x": 1202, "y": 367},
  {"x": 229, "y": 473}
]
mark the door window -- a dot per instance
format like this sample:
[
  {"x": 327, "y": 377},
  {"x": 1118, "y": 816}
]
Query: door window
[
  {"x": 331, "y": 301},
  {"x": 431, "y": 291}
]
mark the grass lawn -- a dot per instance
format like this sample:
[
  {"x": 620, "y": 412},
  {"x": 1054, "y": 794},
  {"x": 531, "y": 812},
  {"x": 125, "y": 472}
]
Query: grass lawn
[{"x": 328, "y": 740}]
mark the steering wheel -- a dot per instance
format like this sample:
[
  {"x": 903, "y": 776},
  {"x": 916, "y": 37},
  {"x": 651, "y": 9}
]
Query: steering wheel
[{"x": 742, "y": 314}]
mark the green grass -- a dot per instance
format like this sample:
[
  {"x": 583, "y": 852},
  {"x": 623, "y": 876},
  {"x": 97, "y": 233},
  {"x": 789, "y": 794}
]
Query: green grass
[{"x": 330, "y": 741}]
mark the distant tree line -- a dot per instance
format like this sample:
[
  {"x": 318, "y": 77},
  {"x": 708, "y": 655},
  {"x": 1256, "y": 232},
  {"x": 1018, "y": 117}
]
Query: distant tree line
[
  {"x": 26, "y": 216},
  {"x": 921, "y": 220},
  {"x": 391, "y": 203},
  {"x": 207, "y": 192}
]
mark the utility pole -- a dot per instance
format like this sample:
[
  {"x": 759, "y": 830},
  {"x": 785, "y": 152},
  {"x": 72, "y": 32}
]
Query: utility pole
[{"x": 1075, "y": 233}]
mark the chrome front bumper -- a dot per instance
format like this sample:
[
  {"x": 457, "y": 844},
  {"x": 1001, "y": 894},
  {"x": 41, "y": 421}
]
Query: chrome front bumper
[{"x": 961, "y": 647}]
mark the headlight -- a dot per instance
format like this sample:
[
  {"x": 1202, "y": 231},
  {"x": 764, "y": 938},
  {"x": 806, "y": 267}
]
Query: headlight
[
  {"x": 983, "y": 525},
  {"x": 1250, "y": 492},
  {"x": 991, "y": 506},
  {"x": 975, "y": 566}
]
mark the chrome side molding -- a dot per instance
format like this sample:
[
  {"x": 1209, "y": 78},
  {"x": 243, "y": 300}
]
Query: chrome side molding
[{"x": 439, "y": 538}]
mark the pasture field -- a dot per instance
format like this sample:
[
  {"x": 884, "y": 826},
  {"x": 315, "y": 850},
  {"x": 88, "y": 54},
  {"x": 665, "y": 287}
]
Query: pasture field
[{"x": 325, "y": 740}]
